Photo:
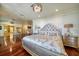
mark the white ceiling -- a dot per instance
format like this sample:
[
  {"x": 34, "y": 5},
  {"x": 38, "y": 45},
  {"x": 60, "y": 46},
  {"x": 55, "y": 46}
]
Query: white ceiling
[{"x": 24, "y": 10}]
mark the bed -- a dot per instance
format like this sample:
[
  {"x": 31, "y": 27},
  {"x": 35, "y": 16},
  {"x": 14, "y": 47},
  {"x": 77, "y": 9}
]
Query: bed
[{"x": 48, "y": 42}]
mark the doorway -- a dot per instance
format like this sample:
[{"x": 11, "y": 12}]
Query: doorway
[{"x": 8, "y": 34}]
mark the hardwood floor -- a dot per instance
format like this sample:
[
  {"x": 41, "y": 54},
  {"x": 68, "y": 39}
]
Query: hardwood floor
[
  {"x": 71, "y": 51},
  {"x": 17, "y": 50},
  {"x": 13, "y": 50}
]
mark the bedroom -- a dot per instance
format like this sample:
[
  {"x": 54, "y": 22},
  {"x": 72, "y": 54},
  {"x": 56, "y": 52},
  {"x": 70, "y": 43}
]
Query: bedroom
[{"x": 18, "y": 22}]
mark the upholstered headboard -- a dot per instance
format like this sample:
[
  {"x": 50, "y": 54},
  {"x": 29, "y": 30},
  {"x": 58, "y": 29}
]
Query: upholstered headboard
[{"x": 50, "y": 29}]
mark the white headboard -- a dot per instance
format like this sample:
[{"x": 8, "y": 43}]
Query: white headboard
[{"x": 50, "y": 29}]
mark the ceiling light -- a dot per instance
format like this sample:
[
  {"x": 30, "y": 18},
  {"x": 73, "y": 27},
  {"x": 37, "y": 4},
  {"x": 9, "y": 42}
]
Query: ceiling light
[{"x": 57, "y": 10}]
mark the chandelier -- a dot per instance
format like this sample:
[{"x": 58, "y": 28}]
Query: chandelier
[{"x": 37, "y": 7}]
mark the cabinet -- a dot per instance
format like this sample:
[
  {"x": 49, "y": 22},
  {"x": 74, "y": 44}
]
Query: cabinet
[{"x": 71, "y": 41}]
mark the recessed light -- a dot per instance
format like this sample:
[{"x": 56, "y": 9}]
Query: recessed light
[{"x": 56, "y": 10}]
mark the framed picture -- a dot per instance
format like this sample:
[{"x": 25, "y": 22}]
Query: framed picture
[{"x": 0, "y": 27}]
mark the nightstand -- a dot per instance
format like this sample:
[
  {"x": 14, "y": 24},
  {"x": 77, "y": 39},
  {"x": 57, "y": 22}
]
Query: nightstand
[{"x": 71, "y": 41}]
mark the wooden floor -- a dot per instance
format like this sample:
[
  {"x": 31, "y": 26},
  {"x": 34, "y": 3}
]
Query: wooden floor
[
  {"x": 13, "y": 50},
  {"x": 72, "y": 51},
  {"x": 17, "y": 50}
]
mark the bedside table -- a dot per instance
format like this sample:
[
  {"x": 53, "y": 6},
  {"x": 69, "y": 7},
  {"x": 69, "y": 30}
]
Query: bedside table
[{"x": 71, "y": 41}]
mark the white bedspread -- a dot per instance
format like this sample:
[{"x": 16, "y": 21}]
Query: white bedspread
[{"x": 53, "y": 43}]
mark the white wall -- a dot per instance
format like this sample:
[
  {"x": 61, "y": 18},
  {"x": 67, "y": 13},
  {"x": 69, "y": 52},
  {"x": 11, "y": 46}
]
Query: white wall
[{"x": 59, "y": 20}]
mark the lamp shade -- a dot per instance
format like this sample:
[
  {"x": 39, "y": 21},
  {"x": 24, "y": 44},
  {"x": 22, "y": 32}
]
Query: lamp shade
[{"x": 68, "y": 26}]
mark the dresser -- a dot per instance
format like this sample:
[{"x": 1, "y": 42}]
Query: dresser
[{"x": 71, "y": 41}]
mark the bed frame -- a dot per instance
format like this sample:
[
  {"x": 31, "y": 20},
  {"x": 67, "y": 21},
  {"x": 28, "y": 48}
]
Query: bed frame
[{"x": 54, "y": 28}]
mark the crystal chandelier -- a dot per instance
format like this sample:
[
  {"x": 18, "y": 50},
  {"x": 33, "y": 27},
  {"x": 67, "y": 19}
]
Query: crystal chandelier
[{"x": 37, "y": 7}]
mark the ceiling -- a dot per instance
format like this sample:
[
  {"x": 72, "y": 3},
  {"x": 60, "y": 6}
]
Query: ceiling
[{"x": 24, "y": 10}]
